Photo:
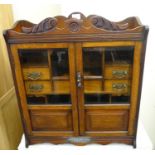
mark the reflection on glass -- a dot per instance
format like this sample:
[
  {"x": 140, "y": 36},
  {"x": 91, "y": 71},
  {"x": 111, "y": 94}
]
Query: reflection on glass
[
  {"x": 92, "y": 61},
  {"x": 103, "y": 66},
  {"x": 49, "y": 99},
  {"x": 106, "y": 99},
  {"x": 119, "y": 55},
  {"x": 33, "y": 57},
  {"x": 58, "y": 99},
  {"x": 60, "y": 62},
  {"x": 35, "y": 100},
  {"x": 120, "y": 99},
  {"x": 55, "y": 61},
  {"x": 96, "y": 98}
]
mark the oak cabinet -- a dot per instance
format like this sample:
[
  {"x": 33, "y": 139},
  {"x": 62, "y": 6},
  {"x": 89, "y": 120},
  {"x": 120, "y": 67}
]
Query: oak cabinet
[{"x": 78, "y": 80}]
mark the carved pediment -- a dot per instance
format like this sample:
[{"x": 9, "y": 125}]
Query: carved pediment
[
  {"x": 74, "y": 25},
  {"x": 74, "y": 28}
]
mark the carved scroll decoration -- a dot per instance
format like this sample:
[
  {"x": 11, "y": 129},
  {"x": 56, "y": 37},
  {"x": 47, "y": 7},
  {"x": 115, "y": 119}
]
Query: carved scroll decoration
[
  {"x": 103, "y": 23},
  {"x": 45, "y": 25},
  {"x": 61, "y": 23}
]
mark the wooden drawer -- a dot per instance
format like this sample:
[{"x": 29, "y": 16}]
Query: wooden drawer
[
  {"x": 61, "y": 86},
  {"x": 36, "y": 73},
  {"x": 38, "y": 87},
  {"x": 51, "y": 120},
  {"x": 117, "y": 71},
  {"x": 107, "y": 120},
  {"x": 93, "y": 85},
  {"x": 117, "y": 86}
]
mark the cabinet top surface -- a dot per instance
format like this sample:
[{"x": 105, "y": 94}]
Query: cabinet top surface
[{"x": 69, "y": 29}]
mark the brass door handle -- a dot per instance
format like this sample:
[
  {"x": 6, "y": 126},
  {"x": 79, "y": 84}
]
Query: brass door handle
[{"x": 79, "y": 80}]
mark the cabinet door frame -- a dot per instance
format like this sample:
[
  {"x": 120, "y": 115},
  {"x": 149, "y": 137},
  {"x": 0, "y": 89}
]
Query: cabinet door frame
[
  {"x": 132, "y": 108},
  {"x": 19, "y": 83}
]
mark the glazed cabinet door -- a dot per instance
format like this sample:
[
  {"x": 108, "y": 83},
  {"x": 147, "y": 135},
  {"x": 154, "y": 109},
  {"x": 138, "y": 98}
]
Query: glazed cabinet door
[
  {"x": 45, "y": 75},
  {"x": 107, "y": 84}
]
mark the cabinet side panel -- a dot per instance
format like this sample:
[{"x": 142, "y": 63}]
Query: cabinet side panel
[{"x": 135, "y": 87}]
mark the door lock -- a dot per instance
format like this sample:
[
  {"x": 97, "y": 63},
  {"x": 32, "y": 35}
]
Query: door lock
[{"x": 79, "y": 80}]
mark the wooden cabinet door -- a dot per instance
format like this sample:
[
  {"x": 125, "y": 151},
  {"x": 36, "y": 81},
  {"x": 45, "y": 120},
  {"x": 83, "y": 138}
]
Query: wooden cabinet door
[
  {"x": 107, "y": 86},
  {"x": 46, "y": 85}
]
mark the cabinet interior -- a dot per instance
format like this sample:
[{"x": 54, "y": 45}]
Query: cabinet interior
[{"x": 106, "y": 75}]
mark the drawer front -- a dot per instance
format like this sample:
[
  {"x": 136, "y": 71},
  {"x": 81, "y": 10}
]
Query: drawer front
[
  {"x": 117, "y": 72},
  {"x": 93, "y": 85},
  {"x": 61, "y": 87},
  {"x": 107, "y": 120},
  {"x": 117, "y": 86},
  {"x": 38, "y": 87},
  {"x": 51, "y": 120},
  {"x": 36, "y": 73}
]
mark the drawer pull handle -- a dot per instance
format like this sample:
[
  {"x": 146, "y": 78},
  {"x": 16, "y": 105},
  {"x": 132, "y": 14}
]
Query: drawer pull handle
[
  {"x": 119, "y": 86},
  {"x": 34, "y": 75},
  {"x": 119, "y": 73},
  {"x": 36, "y": 87}
]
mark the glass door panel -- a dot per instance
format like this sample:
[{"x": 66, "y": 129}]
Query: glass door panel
[
  {"x": 92, "y": 61},
  {"x": 33, "y": 58},
  {"x": 97, "y": 98},
  {"x": 46, "y": 76},
  {"x": 107, "y": 74},
  {"x": 60, "y": 63}
]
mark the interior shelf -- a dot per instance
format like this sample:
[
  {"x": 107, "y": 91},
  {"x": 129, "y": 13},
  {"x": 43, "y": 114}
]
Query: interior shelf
[
  {"x": 65, "y": 77},
  {"x": 92, "y": 77},
  {"x": 49, "y": 99},
  {"x": 106, "y": 99}
]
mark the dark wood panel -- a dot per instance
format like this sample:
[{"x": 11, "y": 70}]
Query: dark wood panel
[
  {"x": 51, "y": 120},
  {"x": 106, "y": 120}
]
